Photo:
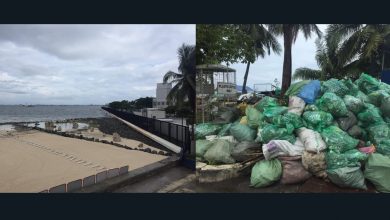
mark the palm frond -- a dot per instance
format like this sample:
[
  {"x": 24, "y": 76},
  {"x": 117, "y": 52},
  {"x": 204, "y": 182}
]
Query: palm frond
[
  {"x": 307, "y": 74},
  {"x": 170, "y": 75}
]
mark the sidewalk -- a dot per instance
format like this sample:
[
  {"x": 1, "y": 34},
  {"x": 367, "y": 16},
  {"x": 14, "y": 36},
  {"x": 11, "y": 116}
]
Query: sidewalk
[{"x": 241, "y": 185}]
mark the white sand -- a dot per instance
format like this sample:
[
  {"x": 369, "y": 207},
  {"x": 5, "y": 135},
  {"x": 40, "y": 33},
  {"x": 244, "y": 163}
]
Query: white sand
[{"x": 34, "y": 161}]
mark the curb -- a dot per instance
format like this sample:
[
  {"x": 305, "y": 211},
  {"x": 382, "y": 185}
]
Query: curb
[{"x": 132, "y": 176}]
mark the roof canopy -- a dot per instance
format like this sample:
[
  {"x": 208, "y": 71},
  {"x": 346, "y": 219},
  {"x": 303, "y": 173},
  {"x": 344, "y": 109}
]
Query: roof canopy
[{"x": 214, "y": 68}]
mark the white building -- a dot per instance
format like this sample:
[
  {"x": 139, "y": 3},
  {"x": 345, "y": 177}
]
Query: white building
[{"x": 162, "y": 92}]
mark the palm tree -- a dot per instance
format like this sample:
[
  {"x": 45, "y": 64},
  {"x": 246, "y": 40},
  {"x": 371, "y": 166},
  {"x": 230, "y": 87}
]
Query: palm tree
[
  {"x": 329, "y": 64},
  {"x": 366, "y": 43},
  {"x": 263, "y": 42},
  {"x": 290, "y": 34},
  {"x": 183, "y": 93}
]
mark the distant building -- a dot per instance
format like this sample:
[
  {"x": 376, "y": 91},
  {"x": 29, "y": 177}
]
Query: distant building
[{"x": 162, "y": 92}]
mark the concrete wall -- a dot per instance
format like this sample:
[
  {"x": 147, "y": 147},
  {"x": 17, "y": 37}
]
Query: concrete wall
[{"x": 87, "y": 181}]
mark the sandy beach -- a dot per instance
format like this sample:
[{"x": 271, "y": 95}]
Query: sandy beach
[{"x": 33, "y": 161}]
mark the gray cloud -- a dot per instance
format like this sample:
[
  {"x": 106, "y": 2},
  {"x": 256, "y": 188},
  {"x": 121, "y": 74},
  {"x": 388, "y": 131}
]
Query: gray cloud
[{"x": 86, "y": 64}]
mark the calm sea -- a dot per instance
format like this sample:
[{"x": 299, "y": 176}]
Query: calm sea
[{"x": 18, "y": 113}]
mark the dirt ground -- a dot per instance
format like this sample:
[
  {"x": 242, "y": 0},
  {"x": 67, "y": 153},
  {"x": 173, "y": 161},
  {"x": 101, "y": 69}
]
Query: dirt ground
[{"x": 32, "y": 161}]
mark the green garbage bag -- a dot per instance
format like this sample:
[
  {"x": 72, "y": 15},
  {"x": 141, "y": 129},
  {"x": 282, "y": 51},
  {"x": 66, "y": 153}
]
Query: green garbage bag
[
  {"x": 202, "y": 146},
  {"x": 352, "y": 88},
  {"x": 383, "y": 147},
  {"x": 226, "y": 115},
  {"x": 206, "y": 129},
  {"x": 273, "y": 132},
  {"x": 371, "y": 115},
  {"x": 367, "y": 83},
  {"x": 254, "y": 117},
  {"x": 333, "y": 104},
  {"x": 225, "y": 131},
  {"x": 355, "y": 131},
  {"x": 242, "y": 132},
  {"x": 363, "y": 97},
  {"x": 350, "y": 158},
  {"x": 338, "y": 140},
  {"x": 376, "y": 97},
  {"x": 378, "y": 171},
  {"x": 334, "y": 86},
  {"x": 353, "y": 104},
  {"x": 311, "y": 108},
  {"x": 266, "y": 172},
  {"x": 385, "y": 107},
  {"x": 220, "y": 152},
  {"x": 317, "y": 120},
  {"x": 378, "y": 132},
  {"x": 245, "y": 150},
  {"x": 384, "y": 86},
  {"x": 271, "y": 112},
  {"x": 347, "y": 122},
  {"x": 347, "y": 177},
  {"x": 266, "y": 102},
  {"x": 288, "y": 121},
  {"x": 295, "y": 88}
]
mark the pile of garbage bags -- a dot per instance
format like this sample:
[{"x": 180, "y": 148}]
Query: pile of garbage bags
[{"x": 337, "y": 130}]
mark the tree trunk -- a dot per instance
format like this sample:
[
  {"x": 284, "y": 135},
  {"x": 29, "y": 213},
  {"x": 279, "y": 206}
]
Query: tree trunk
[
  {"x": 245, "y": 78},
  {"x": 287, "y": 37}
]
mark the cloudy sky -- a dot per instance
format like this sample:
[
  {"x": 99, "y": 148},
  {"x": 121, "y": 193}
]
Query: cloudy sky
[
  {"x": 271, "y": 67},
  {"x": 86, "y": 64}
]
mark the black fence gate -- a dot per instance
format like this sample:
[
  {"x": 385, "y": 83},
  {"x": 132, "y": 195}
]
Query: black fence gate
[{"x": 174, "y": 133}]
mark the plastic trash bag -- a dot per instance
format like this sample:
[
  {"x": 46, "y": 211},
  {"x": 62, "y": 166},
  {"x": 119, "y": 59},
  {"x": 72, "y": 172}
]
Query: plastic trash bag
[
  {"x": 371, "y": 115},
  {"x": 367, "y": 83},
  {"x": 266, "y": 172},
  {"x": 355, "y": 131},
  {"x": 244, "y": 120},
  {"x": 311, "y": 108},
  {"x": 293, "y": 170},
  {"x": 312, "y": 140},
  {"x": 317, "y": 120},
  {"x": 378, "y": 132},
  {"x": 384, "y": 147},
  {"x": 315, "y": 163},
  {"x": 202, "y": 146},
  {"x": 277, "y": 148},
  {"x": 242, "y": 132},
  {"x": 220, "y": 152},
  {"x": 353, "y": 104},
  {"x": 352, "y": 88},
  {"x": 310, "y": 91},
  {"x": 338, "y": 140},
  {"x": 266, "y": 102},
  {"x": 296, "y": 105},
  {"x": 347, "y": 122},
  {"x": 347, "y": 177},
  {"x": 273, "y": 132},
  {"x": 335, "y": 86},
  {"x": 205, "y": 129},
  {"x": 377, "y": 171},
  {"x": 226, "y": 115},
  {"x": 245, "y": 150},
  {"x": 225, "y": 130},
  {"x": 271, "y": 112},
  {"x": 254, "y": 117},
  {"x": 333, "y": 104},
  {"x": 288, "y": 121},
  {"x": 350, "y": 158},
  {"x": 363, "y": 97},
  {"x": 376, "y": 97},
  {"x": 295, "y": 88},
  {"x": 385, "y": 107}
]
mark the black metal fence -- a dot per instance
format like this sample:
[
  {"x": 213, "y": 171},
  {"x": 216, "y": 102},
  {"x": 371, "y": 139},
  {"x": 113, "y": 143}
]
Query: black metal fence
[{"x": 174, "y": 133}]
